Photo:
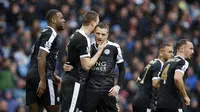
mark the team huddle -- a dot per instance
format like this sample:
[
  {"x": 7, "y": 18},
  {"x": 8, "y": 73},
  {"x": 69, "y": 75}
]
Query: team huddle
[{"x": 88, "y": 84}]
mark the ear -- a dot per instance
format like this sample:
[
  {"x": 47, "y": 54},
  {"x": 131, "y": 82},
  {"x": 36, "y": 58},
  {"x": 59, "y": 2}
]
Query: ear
[
  {"x": 93, "y": 24},
  {"x": 161, "y": 54},
  {"x": 181, "y": 49},
  {"x": 53, "y": 20}
]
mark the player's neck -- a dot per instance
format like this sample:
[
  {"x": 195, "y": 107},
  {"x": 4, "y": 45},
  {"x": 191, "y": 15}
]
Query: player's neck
[
  {"x": 180, "y": 54},
  {"x": 161, "y": 58},
  {"x": 53, "y": 26},
  {"x": 86, "y": 29}
]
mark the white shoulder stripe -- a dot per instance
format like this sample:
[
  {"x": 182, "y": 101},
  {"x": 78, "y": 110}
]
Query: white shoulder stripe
[
  {"x": 119, "y": 54},
  {"x": 114, "y": 44},
  {"x": 53, "y": 36},
  {"x": 88, "y": 42}
]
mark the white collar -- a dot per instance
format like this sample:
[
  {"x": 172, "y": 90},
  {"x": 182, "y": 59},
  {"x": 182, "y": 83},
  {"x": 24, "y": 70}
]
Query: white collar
[
  {"x": 162, "y": 63},
  {"x": 83, "y": 33},
  {"x": 180, "y": 56},
  {"x": 54, "y": 32}
]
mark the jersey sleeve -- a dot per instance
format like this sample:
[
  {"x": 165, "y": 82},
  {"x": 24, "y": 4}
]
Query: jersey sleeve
[
  {"x": 157, "y": 67},
  {"x": 84, "y": 48},
  {"x": 47, "y": 37},
  {"x": 182, "y": 66},
  {"x": 119, "y": 57}
]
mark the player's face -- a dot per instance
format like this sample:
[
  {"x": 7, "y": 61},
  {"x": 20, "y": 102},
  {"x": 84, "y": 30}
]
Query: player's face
[
  {"x": 168, "y": 53},
  {"x": 188, "y": 50},
  {"x": 101, "y": 35},
  {"x": 60, "y": 21}
]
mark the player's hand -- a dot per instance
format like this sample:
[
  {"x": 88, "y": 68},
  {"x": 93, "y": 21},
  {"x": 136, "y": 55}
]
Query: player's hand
[
  {"x": 67, "y": 67},
  {"x": 58, "y": 80},
  {"x": 187, "y": 100},
  {"x": 114, "y": 91},
  {"x": 102, "y": 45},
  {"x": 41, "y": 88}
]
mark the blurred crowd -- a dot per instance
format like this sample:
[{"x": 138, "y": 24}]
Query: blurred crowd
[{"x": 138, "y": 26}]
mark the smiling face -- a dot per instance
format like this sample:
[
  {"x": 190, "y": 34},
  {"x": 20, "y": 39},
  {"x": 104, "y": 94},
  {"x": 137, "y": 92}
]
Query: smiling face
[{"x": 101, "y": 34}]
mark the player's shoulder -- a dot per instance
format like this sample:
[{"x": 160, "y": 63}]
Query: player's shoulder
[
  {"x": 113, "y": 44},
  {"x": 79, "y": 36},
  {"x": 181, "y": 60},
  {"x": 157, "y": 63},
  {"x": 49, "y": 30},
  {"x": 177, "y": 59},
  {"x": 154, "y": 61}
]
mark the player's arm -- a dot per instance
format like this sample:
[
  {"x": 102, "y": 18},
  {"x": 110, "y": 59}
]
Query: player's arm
[
  {"x": 157, "y": 67},
  {"x": 46, "y": 40},
  {"x": 57, "y": 79},
  {"x": 42, "y": 64},
  {"x": 41, "y": 69},
  {"x": 121, "y": 73},
  {"x": 120, "y": 64},
  {"x": 87, "y": 63},
  {"x": 114, "y": 90},
  {"x": 178, "y": 79},
  {"x": 156, "y": 81}
]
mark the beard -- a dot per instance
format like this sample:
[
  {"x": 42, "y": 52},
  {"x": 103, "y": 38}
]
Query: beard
[{"x": 60, "y": 27}]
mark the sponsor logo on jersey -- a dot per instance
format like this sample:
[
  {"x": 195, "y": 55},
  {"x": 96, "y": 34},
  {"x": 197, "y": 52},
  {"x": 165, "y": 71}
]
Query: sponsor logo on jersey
[
  {"x": 100, "y": 66},
  {"x": 107, "y": 51}
]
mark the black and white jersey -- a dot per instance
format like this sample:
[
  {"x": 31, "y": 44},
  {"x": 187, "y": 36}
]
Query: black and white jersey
[
  {"x": 145, "y": 93},
  {"x": 102, "y": 74},
  {"x": 47, "y": 41},
  {"x": 78, "y": 47},
  {"x": 168, "y": 94}
]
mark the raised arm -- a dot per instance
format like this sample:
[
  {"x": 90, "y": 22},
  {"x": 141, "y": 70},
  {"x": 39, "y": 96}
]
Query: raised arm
[{"x": 87, "y": 63}]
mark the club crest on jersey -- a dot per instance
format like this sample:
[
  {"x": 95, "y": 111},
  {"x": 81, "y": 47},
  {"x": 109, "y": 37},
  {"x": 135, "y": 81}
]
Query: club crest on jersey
[{"x": 107, "y": 51}]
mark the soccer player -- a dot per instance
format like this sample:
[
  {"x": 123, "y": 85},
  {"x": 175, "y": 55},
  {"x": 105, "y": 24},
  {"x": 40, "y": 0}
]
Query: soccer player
[
  {"x": 41, "y": 81},
  {"x": 144, "y": 100},
  {"x": 100, "y": 92},
  {"x": 172, "y": 79},
  {"x": 78, "y": 50}
]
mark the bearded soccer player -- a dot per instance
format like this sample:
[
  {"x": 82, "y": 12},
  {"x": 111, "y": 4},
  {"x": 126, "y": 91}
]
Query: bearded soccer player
[
  {"x": 41, "y": 81},
  {"x": 148, "y": 81},
  {"x": 172, "y": 89}
]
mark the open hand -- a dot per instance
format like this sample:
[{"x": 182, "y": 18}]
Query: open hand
[{"x": 114, "y": 91}]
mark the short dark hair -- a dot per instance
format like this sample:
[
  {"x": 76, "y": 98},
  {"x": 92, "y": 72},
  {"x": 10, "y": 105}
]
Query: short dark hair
[
  {"x": 50, "y": 14},
  {"x": 103, "y": 25},
  {"x": 181, "y": 43},
  {"x": 163, "y": 45},
  {"x": 89, "y": 16}
]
